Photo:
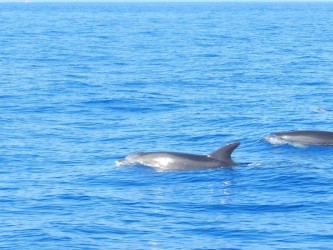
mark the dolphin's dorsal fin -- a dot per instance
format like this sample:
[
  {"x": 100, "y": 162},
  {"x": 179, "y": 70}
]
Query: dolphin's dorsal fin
[{"x": 224, "y": 153}]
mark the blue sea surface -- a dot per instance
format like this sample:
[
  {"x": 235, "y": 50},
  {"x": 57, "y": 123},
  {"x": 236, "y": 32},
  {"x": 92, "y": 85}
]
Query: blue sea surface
[{"x": 84, "y": 85}]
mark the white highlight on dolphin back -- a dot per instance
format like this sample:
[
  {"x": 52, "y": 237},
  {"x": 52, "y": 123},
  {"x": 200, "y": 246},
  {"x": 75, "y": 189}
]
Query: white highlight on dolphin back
[
  {"x": 139, "y": 159},
  {"x": 275, "y": 140},
  {"x": 163, "y": 162}
]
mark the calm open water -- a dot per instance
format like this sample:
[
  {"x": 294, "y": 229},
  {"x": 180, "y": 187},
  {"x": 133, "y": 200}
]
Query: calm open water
[{"x": 83, "y": 85}]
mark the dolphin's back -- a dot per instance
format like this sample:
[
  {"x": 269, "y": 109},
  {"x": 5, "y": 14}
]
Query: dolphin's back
[
  {"x": 311, "y": 137},
  {"x": 173, "y": 160},
  {"x": 182, "y": 161}
]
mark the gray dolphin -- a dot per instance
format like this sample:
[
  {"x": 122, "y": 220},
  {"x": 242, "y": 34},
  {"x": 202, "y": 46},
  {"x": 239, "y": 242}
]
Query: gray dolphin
[
  {"x": 164, "y": 161},
  {"x": 303, "y": 137}
]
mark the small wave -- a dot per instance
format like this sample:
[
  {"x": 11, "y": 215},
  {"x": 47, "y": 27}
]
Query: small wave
[
  {"x": 319, "y": 110},
  {"x": 254, "y": 164}
]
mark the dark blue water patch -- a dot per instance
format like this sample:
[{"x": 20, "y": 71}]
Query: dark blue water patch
[
  {"x": 316, "y": 83},
  {"x": 117, "y": 104}
]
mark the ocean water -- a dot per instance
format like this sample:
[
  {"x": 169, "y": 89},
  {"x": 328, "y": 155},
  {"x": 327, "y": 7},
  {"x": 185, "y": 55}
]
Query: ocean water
[{"x": 83, "y": 85}]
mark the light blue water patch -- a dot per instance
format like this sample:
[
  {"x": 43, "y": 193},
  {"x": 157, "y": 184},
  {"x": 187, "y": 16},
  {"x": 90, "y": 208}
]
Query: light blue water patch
[{"x": 83, "y": 85}]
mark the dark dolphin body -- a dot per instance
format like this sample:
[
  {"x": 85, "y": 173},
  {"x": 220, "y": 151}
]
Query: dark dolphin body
[
  {"x": 305, "y": 137},
  {"x": 164, "y": 161}
]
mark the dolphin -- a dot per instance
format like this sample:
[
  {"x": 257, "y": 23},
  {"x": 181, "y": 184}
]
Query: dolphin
[
  {"x": 166, "y": 161},
  {"x": 303, "y": 137}
]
